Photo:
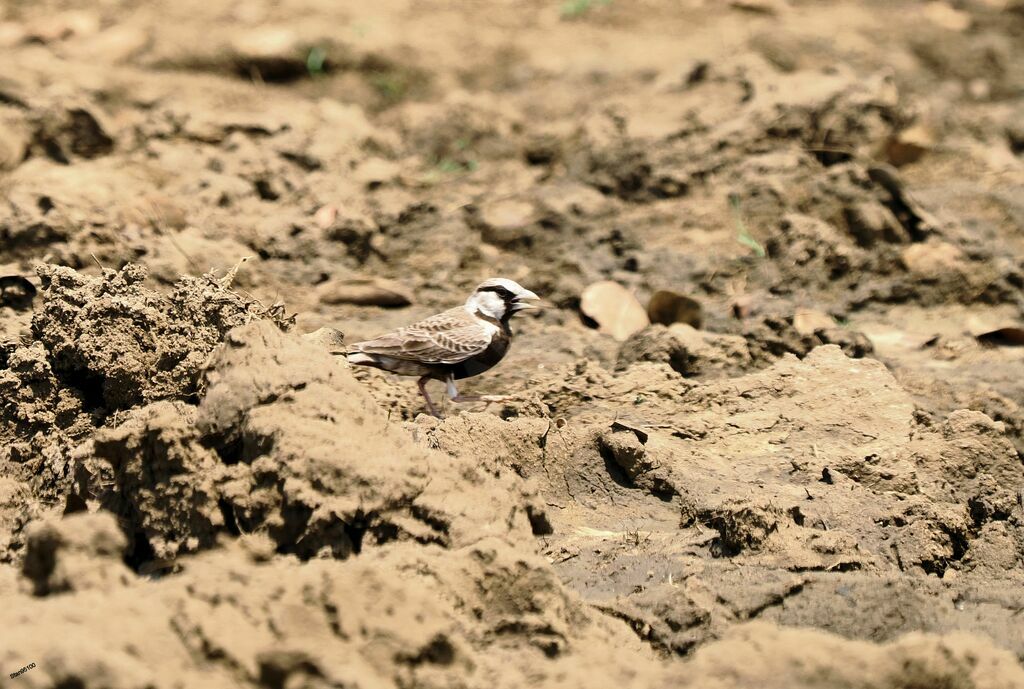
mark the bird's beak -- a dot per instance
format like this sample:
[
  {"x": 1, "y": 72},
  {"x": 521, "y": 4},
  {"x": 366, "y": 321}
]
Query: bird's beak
[{"x": 525, "y": 301}]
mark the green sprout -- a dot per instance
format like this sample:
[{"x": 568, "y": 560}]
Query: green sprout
[
  {"x": 451, "y": 165},
  {"x": 577, "y": 8},
  {"x": 315, "y": 61},
  {"x": 744, "y": 237},
  {"x": 448, "y": 165},
  {"x": 391, "y": 85}
]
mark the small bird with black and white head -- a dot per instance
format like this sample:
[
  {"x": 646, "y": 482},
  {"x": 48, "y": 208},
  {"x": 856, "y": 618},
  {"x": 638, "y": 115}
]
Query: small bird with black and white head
[{"x": 459, "y": 343}]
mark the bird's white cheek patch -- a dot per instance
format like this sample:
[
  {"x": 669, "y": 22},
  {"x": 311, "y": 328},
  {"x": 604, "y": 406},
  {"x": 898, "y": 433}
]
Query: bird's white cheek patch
[{"x": 487, "y": 303}]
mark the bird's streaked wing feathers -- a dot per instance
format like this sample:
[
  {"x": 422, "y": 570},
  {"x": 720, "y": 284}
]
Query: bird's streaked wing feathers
[{"x": 447, "y": 338}]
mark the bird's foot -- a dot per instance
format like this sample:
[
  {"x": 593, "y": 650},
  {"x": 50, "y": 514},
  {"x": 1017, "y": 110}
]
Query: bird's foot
[{"x": 481, "y": 398}]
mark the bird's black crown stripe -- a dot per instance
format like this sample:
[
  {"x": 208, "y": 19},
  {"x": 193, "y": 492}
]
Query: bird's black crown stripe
[{"x": 501, "y": 291}]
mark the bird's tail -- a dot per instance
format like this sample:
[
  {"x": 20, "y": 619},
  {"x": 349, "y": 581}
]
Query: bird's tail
[{"x": 360, "y": 358}]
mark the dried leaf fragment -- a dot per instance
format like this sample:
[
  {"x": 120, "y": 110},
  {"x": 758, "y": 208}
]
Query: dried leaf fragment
[
  {"x": 1005, "y": 337},
  {"x": 667, "y": 307},
  {"x": 808, "y": 321},
  {"x": 614, "y": 308},
  {"x": 16, "y": 291},
  {"x": 909, "y": 145}
]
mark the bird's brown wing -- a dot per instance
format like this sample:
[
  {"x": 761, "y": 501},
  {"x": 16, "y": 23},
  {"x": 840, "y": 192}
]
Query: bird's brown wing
[{"x": 447, "y": 338}]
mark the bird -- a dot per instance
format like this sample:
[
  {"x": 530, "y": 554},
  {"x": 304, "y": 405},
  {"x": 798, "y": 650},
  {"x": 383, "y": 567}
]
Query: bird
[{"x": 458, "y": 343}]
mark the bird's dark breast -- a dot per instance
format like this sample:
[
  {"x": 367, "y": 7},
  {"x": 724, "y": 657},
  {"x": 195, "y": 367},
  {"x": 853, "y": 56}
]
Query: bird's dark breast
[{"x": 476, "y": 365}]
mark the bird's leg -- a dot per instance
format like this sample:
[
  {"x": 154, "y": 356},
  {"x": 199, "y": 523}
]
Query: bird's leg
[
  {"x": 422, "y": 383},
  {"x": 456, "y": 397}
]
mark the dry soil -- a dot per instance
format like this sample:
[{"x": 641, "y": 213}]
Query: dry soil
[{"x": 815, "y": 481}]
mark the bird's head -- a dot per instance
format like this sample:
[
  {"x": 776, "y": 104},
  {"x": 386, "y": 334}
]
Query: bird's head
[{"x": 500, "y": 298}]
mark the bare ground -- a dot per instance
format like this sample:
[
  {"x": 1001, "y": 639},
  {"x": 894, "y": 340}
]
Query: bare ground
[{"x": 818, "y": 486}]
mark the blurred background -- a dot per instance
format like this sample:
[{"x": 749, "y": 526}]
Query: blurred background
[
  {"x": 857, "y": 160},
  {"x": 707, "y": 191}
]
